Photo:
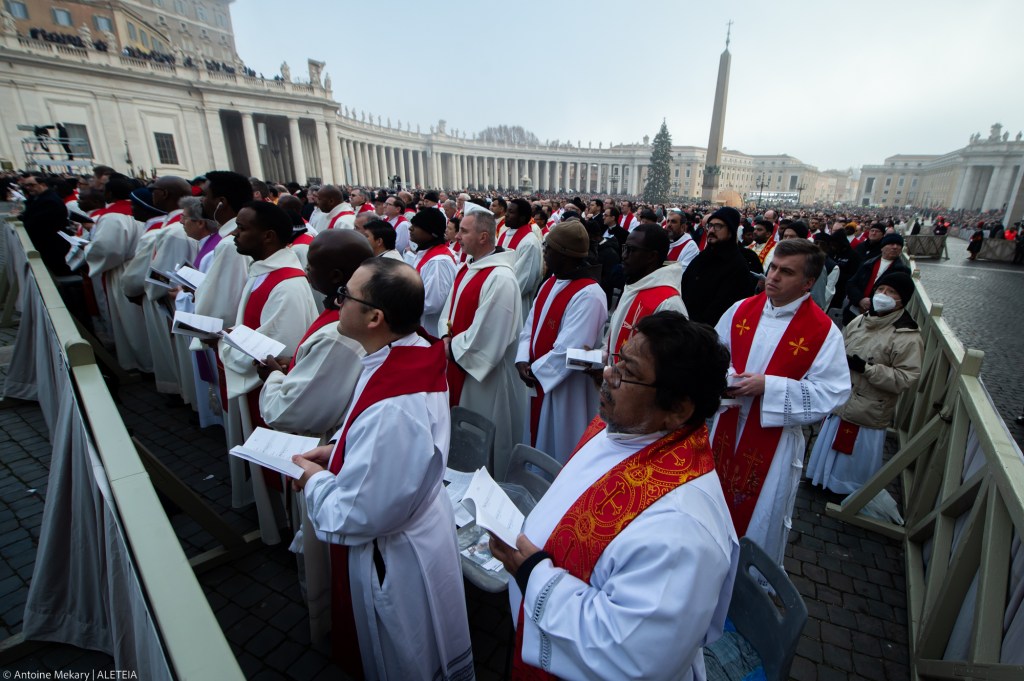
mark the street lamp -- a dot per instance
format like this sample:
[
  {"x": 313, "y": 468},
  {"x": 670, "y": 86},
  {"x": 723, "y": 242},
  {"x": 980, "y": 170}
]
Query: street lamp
[
  {"x": 761, "y": 184},
  {"x": 799, "y": 193}
]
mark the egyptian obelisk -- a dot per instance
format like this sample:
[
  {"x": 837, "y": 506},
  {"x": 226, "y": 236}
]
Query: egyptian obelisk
[{"x": 712, "y": 170}]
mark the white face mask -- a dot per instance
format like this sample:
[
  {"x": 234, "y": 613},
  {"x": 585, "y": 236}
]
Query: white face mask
[{"x": 882, "y": 303}]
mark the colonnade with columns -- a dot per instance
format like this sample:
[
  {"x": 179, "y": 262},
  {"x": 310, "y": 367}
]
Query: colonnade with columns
[{"x": 374, "y": 164}]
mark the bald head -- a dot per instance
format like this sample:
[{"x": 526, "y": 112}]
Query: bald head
[
  {"x": 333, "y": 256},
  {"x": 168, "y": 191},
  {"x": 328, "y": 197},
  {"x": 289, "y": 202}
]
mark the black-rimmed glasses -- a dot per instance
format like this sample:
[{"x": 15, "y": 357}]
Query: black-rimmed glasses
[{"x": 343, "y": 295}]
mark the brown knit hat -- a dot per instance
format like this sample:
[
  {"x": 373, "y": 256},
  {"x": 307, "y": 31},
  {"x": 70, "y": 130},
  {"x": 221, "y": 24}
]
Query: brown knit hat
[{"x": 569, "y": 238}]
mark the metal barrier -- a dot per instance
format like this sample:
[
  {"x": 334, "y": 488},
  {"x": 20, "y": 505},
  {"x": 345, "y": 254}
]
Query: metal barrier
[
  {"x": 188, "y": 635},
  {"x": 962, "y": 479}
]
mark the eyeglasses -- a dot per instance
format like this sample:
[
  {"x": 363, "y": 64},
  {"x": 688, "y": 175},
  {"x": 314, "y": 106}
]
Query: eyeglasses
[
  {"x": 613, "y": 375},
  {"x": 343, "y": 296},
  {"x": 628, "y": 248}
]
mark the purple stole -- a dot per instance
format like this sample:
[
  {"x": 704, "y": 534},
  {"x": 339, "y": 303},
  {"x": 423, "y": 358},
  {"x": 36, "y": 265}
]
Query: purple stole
[{"x": 207, "y": 248}]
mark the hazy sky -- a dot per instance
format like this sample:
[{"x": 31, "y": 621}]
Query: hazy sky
[{"x": 835, "y": 84}]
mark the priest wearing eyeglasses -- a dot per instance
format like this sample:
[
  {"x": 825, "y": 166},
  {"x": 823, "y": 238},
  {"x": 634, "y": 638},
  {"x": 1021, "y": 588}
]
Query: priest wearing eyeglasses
[{"x": 624, "y": 569}]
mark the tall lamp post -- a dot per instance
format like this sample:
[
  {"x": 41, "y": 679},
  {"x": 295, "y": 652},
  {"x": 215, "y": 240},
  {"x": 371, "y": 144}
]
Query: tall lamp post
[
  {"x": 799, "y": 193},
  {"x": 761, "y": 184}
]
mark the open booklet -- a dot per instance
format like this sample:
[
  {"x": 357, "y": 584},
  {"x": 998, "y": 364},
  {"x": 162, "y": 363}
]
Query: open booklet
[
  {"x": 275, "y": 450},
  {"x": 580, "y": 359},
  {"x": 184, "y": 276},
  {"x": 492, "y": 508},
  {"x": 75, "y": 256},
  {"x": 197, "y": 325},
  {"x": 242, "y": 338}
]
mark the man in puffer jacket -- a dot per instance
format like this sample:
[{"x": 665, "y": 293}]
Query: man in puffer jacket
[{"x": 883, "y": 349}]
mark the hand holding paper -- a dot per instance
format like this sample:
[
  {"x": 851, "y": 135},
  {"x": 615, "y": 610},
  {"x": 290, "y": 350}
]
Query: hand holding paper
[{"x": 494, "y": 511}]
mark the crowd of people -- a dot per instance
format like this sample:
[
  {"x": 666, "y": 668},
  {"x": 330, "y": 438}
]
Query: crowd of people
[{"x": 720, "y": 337}]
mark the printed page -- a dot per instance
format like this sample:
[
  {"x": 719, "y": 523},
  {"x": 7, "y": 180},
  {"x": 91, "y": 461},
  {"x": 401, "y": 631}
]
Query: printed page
[
  {"x": 493, "y": 510},
  {"x": 275, "y": 450},
  {"x": 189, "y": 277},
  {"x": 73, "y": 240},
  {"x": 200, "y": 326},
  {"x": 253, "y": 343},
  {"x": 457, "y": 482}
]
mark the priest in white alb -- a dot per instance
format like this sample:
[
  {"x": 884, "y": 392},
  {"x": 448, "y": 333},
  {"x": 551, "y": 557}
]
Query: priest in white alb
[
  {"x": 519, "y": 237},
  {"x": 480, "y": 324},
  {"x": 433, "y": 261},
  {"x": 790, "y": 371},
  {"x": 624, "y": 570},
  {"x": 652, "y": 285},
  {"x": 278, "y": 303},
  {"x": 570, "y": 312},
  {"x": 376, "y": 495}
]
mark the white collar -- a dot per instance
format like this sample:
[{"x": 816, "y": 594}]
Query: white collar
[
  {"x": 787, "y": 310},
  {"x": 374, "y": 360}
]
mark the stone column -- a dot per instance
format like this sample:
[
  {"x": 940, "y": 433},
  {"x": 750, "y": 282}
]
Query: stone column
[
  {"x": 350, "y": 162},
  {"x": 252, "y": 150},
  {"x": 215, "y": 134},
  {"x": 420, "y": 181},
  {"x": 392, "y": 166},
  {"x": 384, "y": 171},
  {"x": 401, "y": 166},
  {"x": 600, "y": 169},
  {"x": 337, "y": 162},
  {"x": 298, "y": 159}
]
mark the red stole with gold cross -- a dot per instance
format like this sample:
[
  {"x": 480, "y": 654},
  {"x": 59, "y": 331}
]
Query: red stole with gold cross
[
  {"x": 610, "y": 504},
  {"x": 743, "y": 466},
  {"x": 644, "y": 304},
  {"x": 543, "y": 336}
]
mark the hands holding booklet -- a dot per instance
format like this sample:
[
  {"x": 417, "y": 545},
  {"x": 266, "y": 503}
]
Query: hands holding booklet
[{"x": 242, "y": 338}]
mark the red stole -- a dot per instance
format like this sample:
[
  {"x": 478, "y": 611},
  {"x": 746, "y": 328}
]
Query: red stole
[
  {"x": 304, "y": 239},
  {"x": 366, "y": 207},
  {"x": 542, "y": 337},
  {"x": 676, "y": 251},
  {"x": 439, "y": 251},
  {"x": 251, "y": 317},
  {"x": 406, "y": 370},
  {"x": 871, "y": 280},
  {"x": 627, "y": 220},
  {"x": 326, "y": 317},
  {"x": 644, "y": 304},
  {"x": 335, "y": 218},
  {"x": 704, "y": 238},
  {"x": 846, "y": 437},
  {"x": 121, "y": 207},
  {"x": 460, "y": 318},
  {"x": 744, "y": 465},
  {"x": 167, "y": 223},
  {"x": 517, "y": 237},
  {"x": 768, "y": 247},
  {"x": 595, "y": 519}
]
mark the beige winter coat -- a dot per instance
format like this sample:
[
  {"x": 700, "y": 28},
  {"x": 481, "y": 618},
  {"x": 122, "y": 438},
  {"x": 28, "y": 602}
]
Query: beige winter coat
[{"x": 892, "y": 347}]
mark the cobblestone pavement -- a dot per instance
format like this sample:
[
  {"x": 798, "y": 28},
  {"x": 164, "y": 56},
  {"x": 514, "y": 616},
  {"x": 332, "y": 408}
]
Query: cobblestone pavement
[{"x": 983, "y": 302}]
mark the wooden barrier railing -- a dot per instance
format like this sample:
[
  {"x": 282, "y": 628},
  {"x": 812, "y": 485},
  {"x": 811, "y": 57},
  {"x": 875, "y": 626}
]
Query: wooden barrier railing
[{"x": 961, "y": 478}]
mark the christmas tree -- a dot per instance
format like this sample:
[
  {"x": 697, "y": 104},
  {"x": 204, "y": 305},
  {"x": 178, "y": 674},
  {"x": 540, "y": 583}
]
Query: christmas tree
[{"x": 656, "y": 189}]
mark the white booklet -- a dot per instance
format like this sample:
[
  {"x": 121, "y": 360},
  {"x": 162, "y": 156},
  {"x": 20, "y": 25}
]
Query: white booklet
[
  {"x": 458, "y": 483},
  {"x": 274, "y": 450},
  {"x": 75, "y": 241},
  {"x": 492, "y": 508},
  {"x": 580, "y": 359},
  {"x": 190, "y": 277},
  {"x": 252, "y": 343},
  {"x": 200, "y": 326}
]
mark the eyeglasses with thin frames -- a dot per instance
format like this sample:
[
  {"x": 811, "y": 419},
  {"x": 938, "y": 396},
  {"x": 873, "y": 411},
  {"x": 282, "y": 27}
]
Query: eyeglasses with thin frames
[{"x": 613, "y": 375}]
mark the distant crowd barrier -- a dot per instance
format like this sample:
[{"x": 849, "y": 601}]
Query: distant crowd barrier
[
  {"x": 962, "y": 479},
  {"x": 110, "y": 574},
  {"x": 926, "y": 246}
]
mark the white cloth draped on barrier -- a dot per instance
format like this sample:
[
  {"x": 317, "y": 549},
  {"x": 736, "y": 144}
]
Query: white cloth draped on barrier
[{"x": 85, "y": 589}]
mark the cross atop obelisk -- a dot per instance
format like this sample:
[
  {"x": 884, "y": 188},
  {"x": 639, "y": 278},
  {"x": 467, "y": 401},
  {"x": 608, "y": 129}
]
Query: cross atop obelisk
[{"x": 712, "y": 169}]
